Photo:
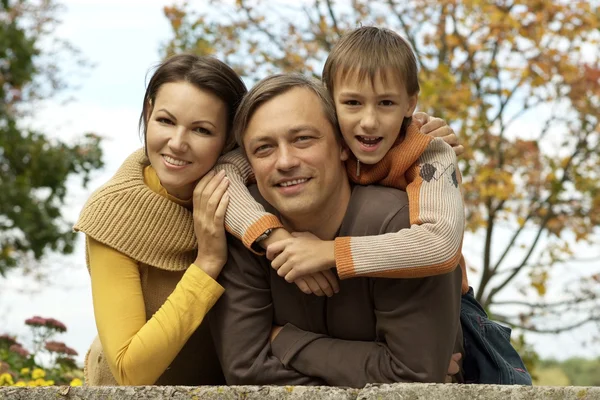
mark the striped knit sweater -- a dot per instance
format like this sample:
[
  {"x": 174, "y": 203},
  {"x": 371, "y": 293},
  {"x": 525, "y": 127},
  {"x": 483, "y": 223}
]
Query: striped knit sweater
[{"x": 422, "y": 165}]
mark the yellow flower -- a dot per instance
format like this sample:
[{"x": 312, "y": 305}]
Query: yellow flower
[
  {"x": 38, "y": 373},
  {"x": 25, "y": 371},
  {"x": 6, "y": 379},
  {"x": 76, "y": 382},
  {"x": 40, "y": 382},
  {"x": 20, "y": 384},
  {"x": 32, "y": 384}
]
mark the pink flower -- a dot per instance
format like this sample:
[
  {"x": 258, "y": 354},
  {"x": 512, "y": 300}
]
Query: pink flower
[
  {"x": 51, "y": 323},
  {"x": 59, "y": 347},
  {"x": 7, "y": 340},
  {"x": 17, "y": 348}
]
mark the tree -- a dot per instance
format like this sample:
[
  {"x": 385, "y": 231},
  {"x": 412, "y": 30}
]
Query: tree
[
  {"x": 487, "y": 67},
  {"x": 34, "y": 168}
]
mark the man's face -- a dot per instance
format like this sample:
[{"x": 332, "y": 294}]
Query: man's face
[{"x": 295, "y": 156}]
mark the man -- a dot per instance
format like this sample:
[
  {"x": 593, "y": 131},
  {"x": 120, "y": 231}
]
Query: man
[{"x": 373, "y": 330}]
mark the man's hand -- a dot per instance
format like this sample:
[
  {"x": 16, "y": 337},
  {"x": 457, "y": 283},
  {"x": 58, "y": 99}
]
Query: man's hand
[
  {"x": 275, "y": 332},
  {"x": 437, "y": 127},
  {"x": 453, "y": 368},
  {"x": 302, "y": 255}
]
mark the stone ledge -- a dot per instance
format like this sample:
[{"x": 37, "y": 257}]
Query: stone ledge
[{"x": 404, "y": 391}]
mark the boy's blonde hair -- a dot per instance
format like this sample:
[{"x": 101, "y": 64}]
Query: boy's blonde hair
[{"x": 369, "y": 50}]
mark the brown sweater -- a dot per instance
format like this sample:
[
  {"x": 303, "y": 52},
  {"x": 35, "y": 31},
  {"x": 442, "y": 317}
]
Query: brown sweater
[{"x": 373, "y": 330}]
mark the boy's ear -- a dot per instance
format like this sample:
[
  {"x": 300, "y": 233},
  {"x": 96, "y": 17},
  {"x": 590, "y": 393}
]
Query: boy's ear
[{"x": 412, "y": 105}]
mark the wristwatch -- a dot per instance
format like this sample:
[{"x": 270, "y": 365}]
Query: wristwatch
[{"x": 263, "y": 236}]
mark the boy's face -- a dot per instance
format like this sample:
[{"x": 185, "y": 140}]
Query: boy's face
[{"x": 371, "y": 113}]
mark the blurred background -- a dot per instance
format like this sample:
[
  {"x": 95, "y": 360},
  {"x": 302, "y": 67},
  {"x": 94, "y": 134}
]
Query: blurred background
[{"x": 519, "y": 81}]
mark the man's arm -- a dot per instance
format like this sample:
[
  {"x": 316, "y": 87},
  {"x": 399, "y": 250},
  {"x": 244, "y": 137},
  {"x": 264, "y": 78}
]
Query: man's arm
[
  {"x": 417, "y": 322},
  {"x": 241, "y": 323}
]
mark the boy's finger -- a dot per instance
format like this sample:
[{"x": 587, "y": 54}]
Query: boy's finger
[
  {"x": 285, "y": 268},
  {"x": 323, "y": 284},
  {"x": 275, "y": 248},
  {"x": 303, "y": 286},
  {"x": 333, "y": 281},
  {"x": 313, "y": 285},
  {"x": 278, "y": 261}
]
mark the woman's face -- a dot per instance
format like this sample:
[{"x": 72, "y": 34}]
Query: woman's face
[{"x": 185, "y": 135}]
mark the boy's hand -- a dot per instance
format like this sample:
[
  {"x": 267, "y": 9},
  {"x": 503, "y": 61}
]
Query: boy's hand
[
  {"x": 437, "y": 127},
  {"x": 322, "y": 283},
  {"x": 301, "y": 255}
]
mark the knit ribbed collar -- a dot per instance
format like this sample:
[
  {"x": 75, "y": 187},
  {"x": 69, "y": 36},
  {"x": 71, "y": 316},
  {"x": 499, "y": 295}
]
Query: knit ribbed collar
[{"x": 130, "y": 217}]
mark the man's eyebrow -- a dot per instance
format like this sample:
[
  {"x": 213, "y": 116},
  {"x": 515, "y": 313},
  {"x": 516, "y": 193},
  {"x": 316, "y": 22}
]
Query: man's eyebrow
[
  {"x": 302, "y": 128},
  {"x": 193, "y": 123}
]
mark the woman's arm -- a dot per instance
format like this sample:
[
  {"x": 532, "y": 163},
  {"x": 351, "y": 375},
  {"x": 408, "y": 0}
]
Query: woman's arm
[{"x": 139, "y": 351}]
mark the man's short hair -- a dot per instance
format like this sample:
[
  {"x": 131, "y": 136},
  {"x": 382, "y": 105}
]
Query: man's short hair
[
  {"x": 370, "y": 50},
  {"x": 274, "y": 86}
]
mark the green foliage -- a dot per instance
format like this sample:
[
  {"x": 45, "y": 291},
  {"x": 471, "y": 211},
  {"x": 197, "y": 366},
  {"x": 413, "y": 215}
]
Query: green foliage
[
  {"x": 34, "y": 169},
  {"x": 577, "y": 371}
]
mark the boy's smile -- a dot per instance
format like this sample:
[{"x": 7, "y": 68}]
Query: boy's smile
[{"x": 371, "y": 113}]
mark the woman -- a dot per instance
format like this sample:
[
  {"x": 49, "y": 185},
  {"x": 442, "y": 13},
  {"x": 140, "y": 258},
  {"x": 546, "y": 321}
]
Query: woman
[{"x": 155, "y": 240}]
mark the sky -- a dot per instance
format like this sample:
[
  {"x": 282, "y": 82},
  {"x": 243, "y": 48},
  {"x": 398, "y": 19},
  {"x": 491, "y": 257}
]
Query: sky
[{"x": 122, "y": 40}]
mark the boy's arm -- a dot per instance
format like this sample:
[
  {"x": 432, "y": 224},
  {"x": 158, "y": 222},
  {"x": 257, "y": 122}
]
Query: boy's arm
[
  {"x": 246, "y": 219},
  {"x": 432, "y": 245}
]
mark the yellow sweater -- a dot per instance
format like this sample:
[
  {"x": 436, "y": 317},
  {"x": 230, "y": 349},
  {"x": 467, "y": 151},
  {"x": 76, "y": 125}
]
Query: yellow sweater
[{"x": 148, "y": 299}]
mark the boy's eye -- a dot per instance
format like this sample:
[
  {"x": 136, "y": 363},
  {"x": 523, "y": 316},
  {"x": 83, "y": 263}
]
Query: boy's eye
[
  {"x": 387, "y": 103},
  {"x": 202, "y": 131}
]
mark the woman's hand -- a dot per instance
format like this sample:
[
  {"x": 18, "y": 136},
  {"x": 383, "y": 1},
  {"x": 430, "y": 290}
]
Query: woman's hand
[
  {"x": 437, "y": 127},
  {"x": 210, "y": 203}
]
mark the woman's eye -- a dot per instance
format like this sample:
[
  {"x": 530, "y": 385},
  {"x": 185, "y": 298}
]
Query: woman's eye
[
  {"x": 351, "y": 103},
  {"x": 202, "y": 131},
  {"x": 165, "y": 121}
]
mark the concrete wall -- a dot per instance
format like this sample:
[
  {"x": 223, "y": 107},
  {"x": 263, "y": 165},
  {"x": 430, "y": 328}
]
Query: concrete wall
[{"x": 370, "y": 392}]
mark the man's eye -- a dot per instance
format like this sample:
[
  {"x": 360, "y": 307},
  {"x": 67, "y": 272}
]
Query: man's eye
[
  {"x": 303, "y": 138},
  {"x": 202, "y": 131},
  {"x": 261, "y": 149}
]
